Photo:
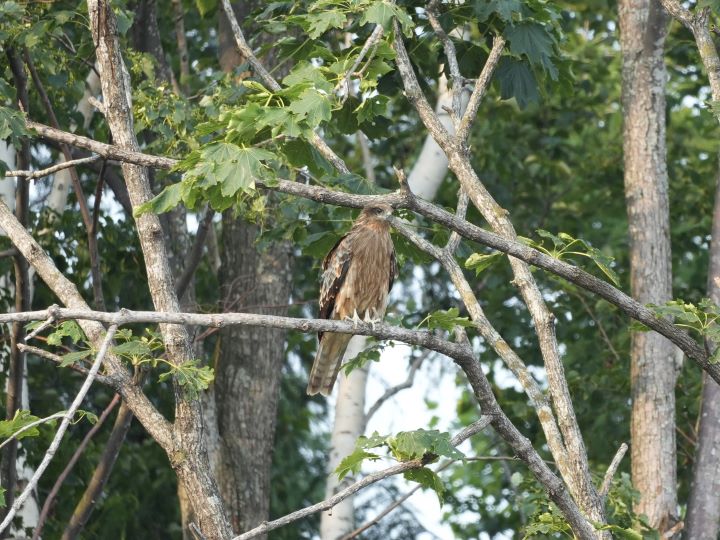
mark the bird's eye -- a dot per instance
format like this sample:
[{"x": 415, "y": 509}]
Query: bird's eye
[{"x": 378, "y": 210}]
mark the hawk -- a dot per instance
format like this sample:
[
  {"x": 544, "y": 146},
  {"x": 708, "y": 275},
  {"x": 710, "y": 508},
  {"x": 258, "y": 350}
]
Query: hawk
[{"x": 357, "y": 276}]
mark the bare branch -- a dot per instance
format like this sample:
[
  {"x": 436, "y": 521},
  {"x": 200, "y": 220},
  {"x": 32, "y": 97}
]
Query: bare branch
[
  {"x": 612, "y": 469},
  {"x": 218, "y": 320},
  {"x": 32, "y": 175},
  {"x": 357, "y": 486},
  {"x": 457, "y": 79},
  {"x": 105, "y": 150},
  {"x": 70, "y": 465},
  {"x": 481, "y": 85},
  {"x": 74, "y": 406},
  {"x": 698, "y": 24},
  {"x": 390, "y": 392},
  {"x": 454, "y": 240}
]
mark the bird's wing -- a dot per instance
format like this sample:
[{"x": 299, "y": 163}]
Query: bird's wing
[{"x": 335, "y": 269}]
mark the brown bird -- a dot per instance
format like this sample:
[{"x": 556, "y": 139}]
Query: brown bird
[{"x": 358, "y": 274}]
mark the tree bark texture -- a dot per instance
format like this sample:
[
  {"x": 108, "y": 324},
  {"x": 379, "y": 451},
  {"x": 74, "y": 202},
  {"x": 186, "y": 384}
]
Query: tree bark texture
[
  {"x": 703, "y": 513},
  {"x": 249, "y": 365},
  {"x": 188, "y": 454},
  {"x": 643, "y": 28}
]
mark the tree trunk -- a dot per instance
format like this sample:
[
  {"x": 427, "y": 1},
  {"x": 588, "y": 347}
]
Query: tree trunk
[
  {"x": 347, "y": 427},
  {"x": 643, "y": 28},
  {"x": 703, "y": 514},
  {"x": 249, "y": 364}
]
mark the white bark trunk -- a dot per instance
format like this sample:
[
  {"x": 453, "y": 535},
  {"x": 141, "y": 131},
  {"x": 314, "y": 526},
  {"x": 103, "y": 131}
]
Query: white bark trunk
[
  {"x": 349, "y": 421},
  {"x": 7, "y": 185}
]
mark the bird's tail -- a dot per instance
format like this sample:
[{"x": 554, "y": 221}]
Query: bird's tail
[{"x": 327, "y": 363}]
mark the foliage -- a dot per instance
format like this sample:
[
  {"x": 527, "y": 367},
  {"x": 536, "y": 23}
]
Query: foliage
[
  {"x": 702, "y": 318},
  {"x": 421, "y": 444}
]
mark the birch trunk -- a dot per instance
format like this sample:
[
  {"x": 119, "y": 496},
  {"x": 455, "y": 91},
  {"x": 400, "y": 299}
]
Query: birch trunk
[{"x": 643, "y": 28}]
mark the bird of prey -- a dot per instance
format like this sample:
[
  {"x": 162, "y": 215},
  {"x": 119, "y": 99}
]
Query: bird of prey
[{"x": 358, "y": 273}]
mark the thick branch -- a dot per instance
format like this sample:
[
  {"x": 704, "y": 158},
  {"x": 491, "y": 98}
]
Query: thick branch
[
  {"x": 401, "y": 199},
  {"x": 424, "y": 339}
]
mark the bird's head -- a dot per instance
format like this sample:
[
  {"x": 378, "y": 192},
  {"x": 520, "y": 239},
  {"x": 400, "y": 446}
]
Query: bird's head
[{"x": 377, "y": 212}]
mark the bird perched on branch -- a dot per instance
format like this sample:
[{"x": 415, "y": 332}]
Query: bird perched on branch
[{"x": 358, "y": 274}]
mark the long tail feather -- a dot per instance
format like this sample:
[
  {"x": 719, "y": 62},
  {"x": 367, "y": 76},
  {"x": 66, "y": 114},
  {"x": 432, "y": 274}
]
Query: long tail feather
[{"x": 327, "y": 363}]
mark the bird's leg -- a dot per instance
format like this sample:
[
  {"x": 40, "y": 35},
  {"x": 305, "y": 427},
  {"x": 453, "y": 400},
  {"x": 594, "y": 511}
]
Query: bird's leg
[
  {"x": 355, "y": 319},
  {"x": 372, "y": 321}
]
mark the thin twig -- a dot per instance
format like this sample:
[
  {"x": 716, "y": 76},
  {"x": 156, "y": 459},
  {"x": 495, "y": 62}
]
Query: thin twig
[
  {"x": 407, "y": 383},
  {"x": 462, "y": 205},
  {"x": 31, "y": 425},
  {"x": 612, "y": 469},
  {"x": 70, "y": 465},
  {"x": 374, "y": 37},
  {"x": 31, "y": 175},
  {"x": 481, "y": 85},
  {"x": 42, "y": 353},
  {"x": 196, "y": 252},
  {"x": 31, "y": 485},
  {"x": 48, "y": 322},
  {"x": 450, "y": 53}
]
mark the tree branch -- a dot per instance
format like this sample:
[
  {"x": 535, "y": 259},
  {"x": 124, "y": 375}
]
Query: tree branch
[
  {"x": 70, "y": 465},
  {"x": 32, "y": 175},
  {"x": 155, "y": 424},
  {"x": 405, "y": 466},
  {"x": 481, "y": 85},
  {"x": 242, "y": 44},
  {"x": 42, "y": 353},
  {"x": 31, "y": 485},
  {"x": 424, "y": 339},
  {"x": 403, "y": 199},
  {"x": 612, "y": 469}
]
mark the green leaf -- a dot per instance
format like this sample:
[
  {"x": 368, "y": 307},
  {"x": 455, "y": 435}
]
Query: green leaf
[
  {"x": 164, "y": 201},
  {"x": 69, "y": 329},
  {"x": 73, "y": 357},
  {"x": 319, "y": 23},
  {"x": 534, "y": 41},
  {"x": 21, "y": 419},
  {"x": 517, "y": 81},
  {"x": 408, "y": 445},
  {"x": 480, "y": 262},
  {"x": 447, "y": 320},
  {"x": 12, "y": 124},
  {"x": 372, "y": 107},
  {"x": 353, "y": 462},
  {"x": 428, "y": 479},
  {"x": 371, "y": 354},
  {"x": 313, "y": 106},
  {"x": 621, "y": 532},
  {"x": 2, "y": 497},
  {"x": 133, "y": 348},
  {"x": 503, "y": 8},
  {"x": 191, "y": 376},
  {"x": 382, "y": 13}
]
